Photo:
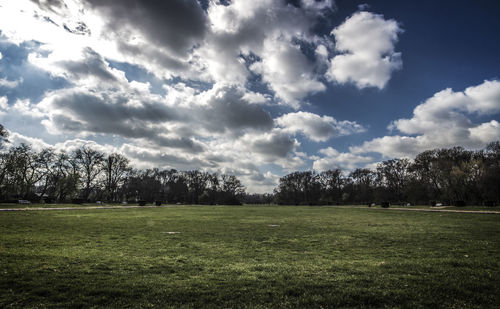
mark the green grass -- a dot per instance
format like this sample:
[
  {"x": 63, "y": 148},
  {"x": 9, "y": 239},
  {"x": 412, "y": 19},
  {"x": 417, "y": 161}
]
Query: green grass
[
  {"x": 230, "y": 257},
  {"x": 57, "y": 205}
]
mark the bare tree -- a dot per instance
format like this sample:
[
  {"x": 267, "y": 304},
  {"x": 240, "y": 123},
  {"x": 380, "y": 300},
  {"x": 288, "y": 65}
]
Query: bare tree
[
  {"x": 196, "y": 182},
  {"x": 395, "y": 175},
  {"x": 116, "y": 168},
  {"x": 299, "y": 188},
  {"x": 64, "y": 177},
  {"x": 90, "y": 164},
  {"x": 231, "y": 189},
  {"x": 331, "y": 182},
  {"x": 22, "y": 169}
]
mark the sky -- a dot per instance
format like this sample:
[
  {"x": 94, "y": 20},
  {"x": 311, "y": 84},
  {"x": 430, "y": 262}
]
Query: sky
[{"x": 253, "y": 88}]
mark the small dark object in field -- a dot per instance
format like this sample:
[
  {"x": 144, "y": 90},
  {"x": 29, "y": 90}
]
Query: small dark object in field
[
  {"x": 490, "y": 203},
  {"x": 158, "y": 203},
  {"x": 385, "y": 204},
  {"x": 459, "y": 203},
  {"x": 142, "y": 203}
]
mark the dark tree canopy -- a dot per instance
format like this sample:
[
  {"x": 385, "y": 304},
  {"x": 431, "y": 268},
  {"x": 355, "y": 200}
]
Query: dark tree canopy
[
  {"x": 87, "y": 174},
  {"x": 452, "y": 176}
]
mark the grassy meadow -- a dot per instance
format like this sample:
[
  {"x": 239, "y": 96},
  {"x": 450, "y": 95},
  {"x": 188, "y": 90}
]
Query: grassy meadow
[{"x": 248, "y": 256}]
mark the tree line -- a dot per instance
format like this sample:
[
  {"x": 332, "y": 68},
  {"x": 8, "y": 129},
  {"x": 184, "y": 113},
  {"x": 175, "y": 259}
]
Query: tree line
[
  {"x": 451, "y": 176},
  {"x": 89, "y": 175}
]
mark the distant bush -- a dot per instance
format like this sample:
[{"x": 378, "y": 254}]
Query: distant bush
[
  {"x": 48, "y": 200},
  {"x": 158, "y": 203},
  {"x": 385, "y": 204}
]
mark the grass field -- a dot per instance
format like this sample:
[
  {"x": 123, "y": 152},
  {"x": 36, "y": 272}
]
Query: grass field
[{"x": 244, "y": 256}]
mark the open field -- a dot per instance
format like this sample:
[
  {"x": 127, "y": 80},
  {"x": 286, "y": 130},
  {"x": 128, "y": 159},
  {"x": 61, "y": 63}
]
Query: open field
[
  {"x": 242, "y": 256},
  {"x": 54, "y": 205}
]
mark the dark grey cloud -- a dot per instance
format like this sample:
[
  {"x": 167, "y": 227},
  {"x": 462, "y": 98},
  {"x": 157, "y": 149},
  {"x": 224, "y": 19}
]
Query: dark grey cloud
[
  {"x": 65, "y": 123},
  {"x": 174, "y": 24},
  {"x": 85, "y": 112},
  {"x": 274, "y": 145},
  {"x": 92, "y": 65},
  {"x": 227, "y": 111},
  {"x": 219, "y": 158},
  {"x": 133, "y": 115},
  {"x": 108, "y": 108},
  {"x": 153, "y": 56},
  {"x": 182, "y": 143}
]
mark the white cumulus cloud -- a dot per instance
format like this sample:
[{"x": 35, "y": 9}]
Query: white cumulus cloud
[
  {"x": 4, "y": 105},
  {"x": 259, "y": 37},
  {"x": 288, "y": 72},
  {"x": 333, "y": 159},
  {"x": 366, "y": 41},
  {"x": 315, "y": 127},
  {"x": 444, "y": 120},
  {"x": 10, "y": 83}
]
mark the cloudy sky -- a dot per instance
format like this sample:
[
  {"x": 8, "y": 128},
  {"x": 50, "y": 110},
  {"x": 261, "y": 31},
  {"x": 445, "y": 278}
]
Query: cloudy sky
[{"x": 254, "y": 88}]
